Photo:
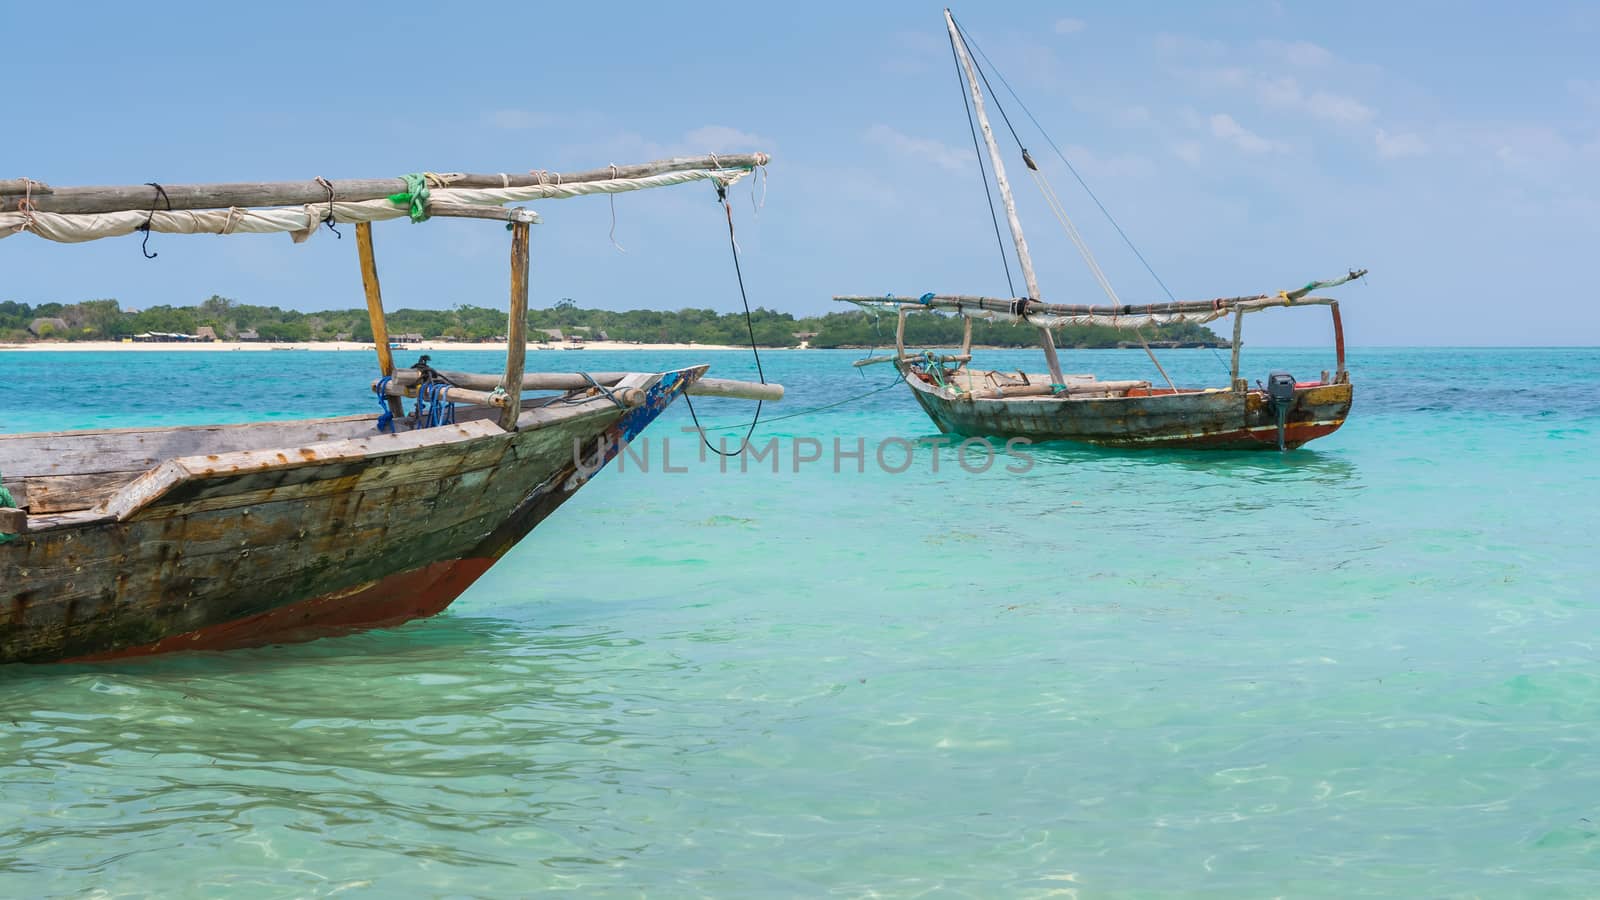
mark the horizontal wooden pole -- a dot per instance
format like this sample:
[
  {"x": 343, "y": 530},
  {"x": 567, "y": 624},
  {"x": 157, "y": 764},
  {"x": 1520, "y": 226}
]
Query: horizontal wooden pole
[
  {"x": 112, "y": 198},
  {"x": 573, "y": 381},
  {"x": 629, "y": 396},
  {"x": 736, "y": 390},
  {"x": 24, "y": 186},
  {"x": 469, "y": 211},
  {"x": 875, "y": 360},
  {"x": 963, "y": 303}
]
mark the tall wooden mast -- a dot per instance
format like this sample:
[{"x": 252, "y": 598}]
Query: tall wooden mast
[{"x": 1026, "y": 261}]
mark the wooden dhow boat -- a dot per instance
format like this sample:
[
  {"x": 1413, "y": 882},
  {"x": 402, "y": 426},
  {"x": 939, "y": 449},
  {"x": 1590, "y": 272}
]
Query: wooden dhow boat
[
  {"x": 1281, "y": 414},
  {"x": 132, "y": 541}
]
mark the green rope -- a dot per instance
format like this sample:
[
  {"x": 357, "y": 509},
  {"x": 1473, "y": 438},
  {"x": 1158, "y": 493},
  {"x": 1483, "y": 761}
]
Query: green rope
[
  {"x": 6, "y": 500},
  {"x": 415, "y": 196},
  {"x": 936, "y": 369}
]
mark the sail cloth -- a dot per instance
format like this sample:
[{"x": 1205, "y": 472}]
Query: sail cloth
[{"x": 300, "y": 222}]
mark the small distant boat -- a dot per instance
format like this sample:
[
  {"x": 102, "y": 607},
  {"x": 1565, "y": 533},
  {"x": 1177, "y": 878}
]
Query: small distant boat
[
  {"x": 131, "y": 541},
  {"x": 1283, "y": 413}
]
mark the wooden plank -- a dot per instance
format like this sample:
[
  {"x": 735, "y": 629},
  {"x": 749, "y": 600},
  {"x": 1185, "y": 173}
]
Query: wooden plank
[
  {"x": 294, "y": 193},
  {"x": 13, "y": 521},
  {"x": 149, "y": 487},
  {"x": 516, "y": 327},
  {"x": 19, "y": 493},
  {"x": 45, "y": 494},
  {"x": 126, "y": 449}
]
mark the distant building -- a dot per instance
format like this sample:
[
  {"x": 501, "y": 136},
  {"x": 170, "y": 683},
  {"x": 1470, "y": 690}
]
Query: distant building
[
  {"x": 205, "y": 333},
  {"x": 410, "y": 337},
  {"x": 553, "y": 334},
  {"x": 804, "y": 337},
  {"x": 55, "y": 327},
  {"x": 249, "y": 335}
]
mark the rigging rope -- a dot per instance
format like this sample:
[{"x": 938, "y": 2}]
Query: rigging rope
[
  {"x": 1062, "y": 156},
  {"x": 983, "y": 173},
  {"x": 1050, "y": 195},
  {"x": 750, "y": 327}
]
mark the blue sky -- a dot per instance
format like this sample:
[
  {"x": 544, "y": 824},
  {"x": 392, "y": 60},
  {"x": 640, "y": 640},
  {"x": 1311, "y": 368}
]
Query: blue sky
[{"x": 1452, "y": 148}]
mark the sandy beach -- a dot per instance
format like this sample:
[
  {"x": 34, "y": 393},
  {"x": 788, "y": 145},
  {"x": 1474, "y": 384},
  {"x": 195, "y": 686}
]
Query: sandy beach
[{"x": 226, "y": 346}]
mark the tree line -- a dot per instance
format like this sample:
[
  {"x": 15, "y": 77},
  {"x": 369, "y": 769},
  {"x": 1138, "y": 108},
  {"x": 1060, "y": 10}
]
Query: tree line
[{"x": 104, "y": 320}]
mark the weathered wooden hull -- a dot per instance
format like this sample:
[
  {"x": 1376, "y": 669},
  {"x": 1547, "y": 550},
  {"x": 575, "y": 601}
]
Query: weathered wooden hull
[
  {"x": 1215, "y": 420},
  {"x": 223, "y": 550}
]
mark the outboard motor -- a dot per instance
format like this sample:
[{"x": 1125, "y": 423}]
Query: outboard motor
[{"x": 1280, "y": 396}]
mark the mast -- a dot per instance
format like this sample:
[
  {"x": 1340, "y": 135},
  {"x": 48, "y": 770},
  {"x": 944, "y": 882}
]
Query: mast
[{"x": 1025, "y": 260}]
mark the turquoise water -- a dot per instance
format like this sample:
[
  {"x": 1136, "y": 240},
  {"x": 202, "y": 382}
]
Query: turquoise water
[{"x": 1364, "y": 668}]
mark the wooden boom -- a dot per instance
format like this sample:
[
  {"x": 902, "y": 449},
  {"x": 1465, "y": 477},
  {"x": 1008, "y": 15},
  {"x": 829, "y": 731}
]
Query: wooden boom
[
  {"x": 1022, "y": 306},
  {"x": 291, "y": 193},
  {"x": 575, "y": 381}
]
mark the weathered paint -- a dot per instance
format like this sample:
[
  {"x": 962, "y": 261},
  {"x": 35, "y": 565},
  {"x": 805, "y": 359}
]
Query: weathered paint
[
  {"x": 1159, "y": 418},
  {"x": 288, "y": 544}
]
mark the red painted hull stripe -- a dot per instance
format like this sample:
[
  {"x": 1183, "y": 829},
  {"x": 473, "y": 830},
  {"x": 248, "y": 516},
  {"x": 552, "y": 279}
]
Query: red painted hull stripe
[{"x": 386, "y": 602}]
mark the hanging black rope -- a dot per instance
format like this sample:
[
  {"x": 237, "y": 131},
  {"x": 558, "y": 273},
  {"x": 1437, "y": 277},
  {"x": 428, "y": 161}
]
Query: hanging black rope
[
  {"x": 161, "y": 195},
  {"x": 983, "y": 173},
  {"x": 328, "y": 219},
  {"x": 750, "y": 327}
]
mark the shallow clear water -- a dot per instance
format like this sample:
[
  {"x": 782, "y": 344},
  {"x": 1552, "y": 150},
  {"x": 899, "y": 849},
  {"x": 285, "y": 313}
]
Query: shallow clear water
[{"x": 1364, "y": 668}]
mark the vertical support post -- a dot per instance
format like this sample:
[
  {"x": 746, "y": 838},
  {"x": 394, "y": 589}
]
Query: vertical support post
[
  {"x": 380, "y": 329},
  {"x": 517, "y": 323},
  {"x": 966, "y": 336},
  {"x": 1048, "y": 342},
  {"x": 1238, "y": 330},
  {"x": 900, "y": 336},
  {"x": 1338, "y": 343}
]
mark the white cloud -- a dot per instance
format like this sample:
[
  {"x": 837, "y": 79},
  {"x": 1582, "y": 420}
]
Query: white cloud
[
  {"x": 1225, "y": 127},
  {"x": 1070, "y": 26},
  {"x": 1188, "y": 151},
  {"x": 1337, "y": 108},
  {"x": 722, "y": 139},
  {"x": 1395, "y": 146},
  {"x": 1122, "y": 166},
  {"x": 937, "y": 152},
  {"x": 1286, "y": 94},
  {"x": 1299, "y": 53},
  {"x": 1135, "y": 115}
]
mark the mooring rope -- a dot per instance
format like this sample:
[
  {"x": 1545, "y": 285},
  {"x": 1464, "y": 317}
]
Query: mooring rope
[{"x": 750, "y": 327}]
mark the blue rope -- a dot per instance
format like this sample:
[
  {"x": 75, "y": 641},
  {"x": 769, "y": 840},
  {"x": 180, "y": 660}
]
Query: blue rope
[
  {"x": 386, "y": 418},
  {"x": 434, "y": 407}
]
